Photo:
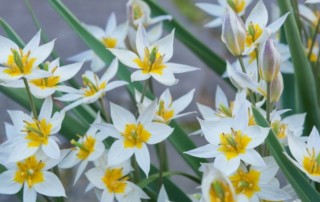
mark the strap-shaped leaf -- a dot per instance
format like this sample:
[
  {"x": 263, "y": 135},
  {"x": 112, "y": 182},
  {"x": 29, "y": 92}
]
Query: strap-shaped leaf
[
  {"x": 178, "y": 137},
  {"x": 306, "y": 98},
  {"x": 297, "y": 180}
]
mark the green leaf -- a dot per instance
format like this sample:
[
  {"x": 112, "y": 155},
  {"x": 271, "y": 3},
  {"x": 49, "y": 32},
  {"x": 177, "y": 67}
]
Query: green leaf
[
  {"x": 213, "y": 61},
  {"x": 297, "y": 180},
  {"x": 179, "y": 139},
  {"x": 305, "y": 82}
]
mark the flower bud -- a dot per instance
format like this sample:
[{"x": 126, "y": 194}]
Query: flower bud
[
  {"x": 270, "y": 61},
  {"x": 276, "y": 88},
  {"x": 233, "y": 32}
]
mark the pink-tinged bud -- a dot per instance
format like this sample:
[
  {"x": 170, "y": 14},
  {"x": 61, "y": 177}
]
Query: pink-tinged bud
[
  {"x": 276, "y": 88},
  {"x": 233, "y": 32},
  {"x": 270, "y": 61}
]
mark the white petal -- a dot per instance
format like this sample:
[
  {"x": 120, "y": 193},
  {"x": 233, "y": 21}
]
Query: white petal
[
  {"x": 221, "y": 98},
  {"x": 111, "y": 24},
  {"x": 80, "y": 170},
  {"x": 126, "y": 57},
  {"x": 8, "y": 185},
  {"x": 5, "y": 48},
  {"x": 98, "y": 151},
  {"x": 33, "y": 43},
  {"x": 180, "y": 104},
  {"x": 226, "y": 166},
  {"x": 297, "y": 148},
  {"x": 29, "y": 195},
  {"x": 107, "y": 196},
  {"x": 212, "y": 9},
  {"x": 69, "y": 97},
  {"x": 111, "y": 71},
  {"x": 68, "y": 71},
  {"x": 41, "y": 53},
  {"x": 107, "y": 129},
  {"x": 41, "y": 93},
  {"x": 207, "y": 113},
  {"x": 115, "y": 84},
  {"x": 155, "y": 32},
  {"x": 314, "y": 140},
  {"x": 51, "y": 185},
  {"x": 38, "y": 74},
  {"x": 166, "y": 78},
  {"x": 275, "y": 26},
  {"x": 252, "y": 157},
  {"x": 70, "y": 160},
  {"x": 139, "y": 76},
  {"x": 148, "y": 114},
  {"x": 159, "y": 132},
  {"x": 259, "y": 14},
  {"x": 143, "y": 158},
  {"x": 51, "y": 149},
  {"x": 159, "y": 19},
  {"x": 165, "y": 46},
  {"x": 21, "y": 152},
  {"x": 257, "y": 135},
  {"x": 141, "y": 41},
  {"x": 273, "y": 193},
  {"x": 82, "y": 57},
  {"x": 163, "y": 196},
  {"x": 180, "y": 68},
  {"x": 214, "y": 23},
  {"x": 95, "y": 175},
  {"x": 46, "y": 109},
  {"x": 121, "y": 117},
  {"x": 118, "y": 153},
  {"x": 206, "y": 151}
]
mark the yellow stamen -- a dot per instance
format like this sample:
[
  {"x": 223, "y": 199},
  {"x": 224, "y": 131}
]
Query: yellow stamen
[
  {"x": 254, "y": 31},
  {"x": 38, "y": 132},
  {"x": 220, "y": 192},
  {"x": 115, "y": 181},
  {"x": 246, "y": 182},
  {"x": 86, "y": 147},
  {"x": 19, "y": 63},
  {"x": 152, "y": 62},
  {"x": 311, "y": 163},
  {"x": 109, "y": 42},
  {"x": 134, "y": 135}
]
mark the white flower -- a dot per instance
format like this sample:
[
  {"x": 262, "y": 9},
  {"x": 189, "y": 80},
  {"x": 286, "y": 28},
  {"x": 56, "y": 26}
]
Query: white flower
[
  {"x": 94, "y": 89},
  {"x": 35, "y": 134},
  {"x": 114, "y": 181},
  {"x": 133, "y": 135},
  {"x": 139, "y": 13},
  {"x": 24, "y": 62},
  {"x": 218, "y": 10},
  {"x": 152, "y": 60},
  {"x": 290, "y": 125},
  {"x": 167, "y": 109},
  {"x": 256, "y": 25},
  {"x": 231, "y": 141},
  {"x": 307, "y": 15},
  {"x": 312, "y": 1},
  {"x": 163, "y": 196},
  {"x": 88, "y": 148},
  {"x": 32, "y": 173},
  {"x": 112, "y": 37},
  {"x": 259, "y": 183},
  {"x": 216, "y": 186},
  {"x": 306, "y": 155}
]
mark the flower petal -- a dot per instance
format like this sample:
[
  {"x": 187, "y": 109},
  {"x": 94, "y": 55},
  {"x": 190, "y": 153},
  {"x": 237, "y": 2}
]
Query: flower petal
[
  {"x": 181, "y": 103},
  {"x": 252, "y": 157},
  {"x": 143, "y": 158},
  {"x": 111, "y": 71},
  {"x": 141, "y": 41},
  {"x": 148, "y": 114},
  {"x": 118, "y": 153},
  {"x": 95, "y": 175},
  {"x": 126, "y": 57},
  {"x": 165, "y": 46},
  {"x": 29, "y": 194},
  {"x": 51, "y": 149},
  {"x": 139, "y": 76},
  {"x": 121, "y": 117},
  {"x": 226, "y": 166},
  {"x": 115, "y": 84},
  {"x": 51, "y": 186},
  {"x": 259, "y": 15},
  {"x": 159, "y": 132},
  {"x": 80, "y": 170},
  {"x": 206, "y": 151},
  {"x": 8, "y": 185}
]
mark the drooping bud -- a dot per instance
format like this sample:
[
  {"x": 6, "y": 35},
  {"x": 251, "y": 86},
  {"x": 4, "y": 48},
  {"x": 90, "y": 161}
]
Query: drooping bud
[
  {"x": 276, "y": 88},
  {"x": 233, "y": 33},
  {"x": 270, "y": 61}
]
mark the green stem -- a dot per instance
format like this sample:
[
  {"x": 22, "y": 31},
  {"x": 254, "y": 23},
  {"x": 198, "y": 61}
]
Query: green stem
[
  {"x": 31, "y": 101},
  {"x": 257, "y": 59},
  {"x": 314, "y": 39},
  {"x": 144, "y": 90},
  {"x": 244, "y": 71},
  {"x": 136, "y": 170},
  {"x": 104, "y": 110},
  {"x": 163, "y": 166},
  {"x": 268, "y": 101}
]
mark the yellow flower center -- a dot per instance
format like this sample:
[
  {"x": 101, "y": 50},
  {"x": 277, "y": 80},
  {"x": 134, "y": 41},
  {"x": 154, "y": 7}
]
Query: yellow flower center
[
  {"x": 220, "y": 192},
  {"x": 152, "y": 62},
  {"x": 314, "y": 54},
  {"x": 134, "y": 135},
  {"x": 30, "y": 171},
  {"x": 164, "y": 113},
  {"x": 86, "y": 147},
  {"x": 38, "y": 132},
  {"x": 252, "y": 121},
  {"x": 280, "y": 129},
  {"x": 115, "y": 181},
  {"x": 252, "y": 57},
  {"x": 225, "y": 111},
  {"x": 237, "y": 5},
  {"x": 246, "y": 182},
  {"x": 137, "y": 11},
  {"x": 47, "y": 82},
  {"x": 233, "y": 144},
  {"x": 253, "y": 33},
  {"x": 19, "y": 63},
  {"x": 311, "y": 163},
  {"x": 109, "y": 42},
  {"x": 91, "y": 87}
]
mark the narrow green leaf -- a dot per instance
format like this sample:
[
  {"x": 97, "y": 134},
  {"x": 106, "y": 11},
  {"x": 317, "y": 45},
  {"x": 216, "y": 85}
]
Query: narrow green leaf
[
  {"x": 179, "y": 139},
  {"x": 213, "y": 61},
  {"x": 306, "y": 92},
  {"x": 297, "y": 180}
]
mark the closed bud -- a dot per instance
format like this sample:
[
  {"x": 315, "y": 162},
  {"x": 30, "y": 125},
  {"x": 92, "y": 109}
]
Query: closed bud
[
  {"x": 276, "y": 88},
  {"x": 270, "y": 61},
  {"x": 233, "y": 33}
]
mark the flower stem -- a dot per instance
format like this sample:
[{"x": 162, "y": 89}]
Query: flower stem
[
  {"x": 257, "y": 59},
  {"x": 144, "y": 90},
  {"x": 244, "y": 71},
  {"x": 268, "y": 107},
  {"x": 31, "y": 101},
  {"x": 314, "y": 39},
  {"x": 104, "y": 110},
  {"x": 136, "y": 170},
  {"x": 163, "y": 165}
]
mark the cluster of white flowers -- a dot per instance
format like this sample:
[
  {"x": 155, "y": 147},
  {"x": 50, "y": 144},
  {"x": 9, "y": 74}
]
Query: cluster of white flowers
[{"x": 115, "y": 145}]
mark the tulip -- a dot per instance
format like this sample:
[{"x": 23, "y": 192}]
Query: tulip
[
  {"x": 233, "y": 33},
  {"x": 276, "y": 88},
  {"x": 270, "y": 61}
]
